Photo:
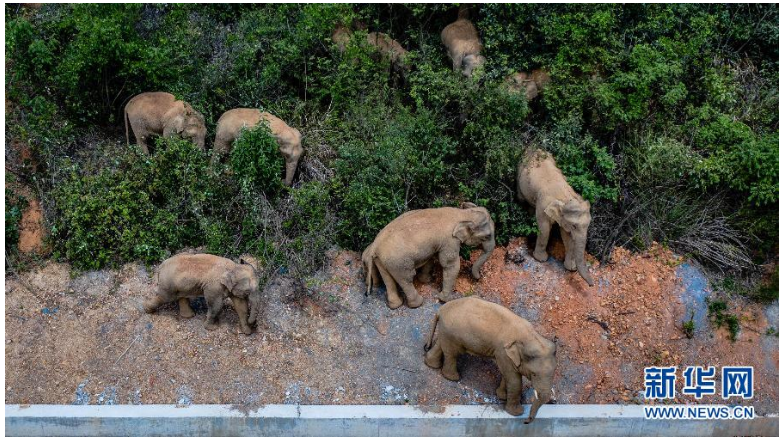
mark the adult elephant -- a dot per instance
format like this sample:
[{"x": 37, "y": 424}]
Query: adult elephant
[
  {"x": 160, "y": 114},
  {"x": 416, "y": 238},
  {"x": 230, "y": 126},
  {"x": 543, "y": 185}
]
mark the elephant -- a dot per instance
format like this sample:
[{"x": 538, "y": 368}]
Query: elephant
[
  {"x": 543, "y": 185},
  {"x": 478, "y": 327},
  {"x": 390, "y": 50},
  {"x": 161, "y": 114},
  {"x": 418, "y": 237},
  {"x": 185, "y": 276},
  {"x": 464, "y": 46},
  {"x": 341, "y": 37},
  {"x": 231, "y": 123},
  {"x": 532, "y": 84}
]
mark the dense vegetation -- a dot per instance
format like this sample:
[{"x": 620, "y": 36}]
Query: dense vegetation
[{"x": 664, "y": 116}]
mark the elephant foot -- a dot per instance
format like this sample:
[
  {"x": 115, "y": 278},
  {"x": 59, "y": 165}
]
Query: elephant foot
[
  {"x": 451, "y": 375},
  {"x": 394, "y": 303},
  {"x": 541, "y": 256},
  {"x": 514, "y": 409},
  {"x": 570, "y": 265},
  {"x": 502, "y": 393},
  {"x": 149, "y": 307},
  {"x": 210, "y": 325},
  {"x": 186, "y": 313},
  {"x": 413, "y": 303},
  {"x": 433, "y": 362},
  {"x": 246, "y": 330},
  {"x": 445, "y": 298}
]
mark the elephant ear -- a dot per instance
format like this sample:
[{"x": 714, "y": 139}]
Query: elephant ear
[
  {"x": 178, "y": 124},
  {"x": 228, "y": 280},
  {"x": 554, "y": 210},
  {"x": 463, "y": 230},
  {"x": 513, "y": 351}
]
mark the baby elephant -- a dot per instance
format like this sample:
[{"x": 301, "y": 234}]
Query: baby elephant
[
  {"x": 543, "y": 185},
  {"x": 162, "y": 115},
  {"x": 230, "y": 125},
  {"x": 478, "y": 327},
  {"x": 416, "y": 238},
  {"x": 464, "y": 46},
  {"x": 186, "y": 276}
]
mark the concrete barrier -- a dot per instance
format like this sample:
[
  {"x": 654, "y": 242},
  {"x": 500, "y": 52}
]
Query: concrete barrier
[{"x": 361, "y": 420}]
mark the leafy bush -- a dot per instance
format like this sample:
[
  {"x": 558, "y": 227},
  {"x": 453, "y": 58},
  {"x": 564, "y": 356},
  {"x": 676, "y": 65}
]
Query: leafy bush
[
  {"x": 256, "y": 162},
  {"x": 14, "y": 206},
  {"x": 664, "y": 116}
]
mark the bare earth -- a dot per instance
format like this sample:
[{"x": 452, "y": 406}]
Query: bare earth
[{"x": 85, "y": 340}]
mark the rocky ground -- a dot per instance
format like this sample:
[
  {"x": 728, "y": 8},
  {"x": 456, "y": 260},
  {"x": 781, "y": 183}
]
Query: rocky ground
[{"x": 85, "y": 339}]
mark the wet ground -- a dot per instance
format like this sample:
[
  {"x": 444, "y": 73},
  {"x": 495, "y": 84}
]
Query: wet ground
[{"x": 85, "y": 340}]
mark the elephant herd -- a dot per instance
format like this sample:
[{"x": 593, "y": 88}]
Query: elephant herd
[
  {"x": 404, "y": 250},
  {"x": 160, "y": 114}
]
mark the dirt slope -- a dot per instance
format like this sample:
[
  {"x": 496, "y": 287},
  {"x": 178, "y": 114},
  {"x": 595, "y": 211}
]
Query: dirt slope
[{"x": 86, "y": 339}]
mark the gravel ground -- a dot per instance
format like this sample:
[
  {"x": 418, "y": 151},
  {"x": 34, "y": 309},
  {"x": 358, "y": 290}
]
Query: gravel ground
[{"x": 85, "y": 339}]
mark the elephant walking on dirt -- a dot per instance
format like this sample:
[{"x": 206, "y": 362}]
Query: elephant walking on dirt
[
  {"x": 416, "y": 238},
  {"x": 478, "y": 327},
  {"x": 161, "y": 114},
  {"x": 230, "y": 126},
  {"x": 187, "y": 276},
  {"x": 543, "y": 185}
]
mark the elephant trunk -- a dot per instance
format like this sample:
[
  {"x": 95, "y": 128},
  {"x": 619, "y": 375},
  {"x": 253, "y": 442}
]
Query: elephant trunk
[
  {"x": 581, "y": 262},
  {"x": 255, "y": 304},
  {"x": 488, "y": 248},
  {"x": 541, "y": 398}
]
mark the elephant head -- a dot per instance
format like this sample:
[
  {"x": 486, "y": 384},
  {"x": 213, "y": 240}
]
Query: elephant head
[
  {"x": 574, "y": 217},
  {"x": 535, "y": 357},
  {"x": 189, "y": 124},
  {"x": 242, "y": 282},
  {"x": 470, "y": 63},
  {"x": 477, "y": 229}
]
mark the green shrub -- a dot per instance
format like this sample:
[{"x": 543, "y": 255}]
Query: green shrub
[
  {"x": 256, "y": 161},
  {"x": 14, "y": 206},
  {"x": 395, "y": 160}
]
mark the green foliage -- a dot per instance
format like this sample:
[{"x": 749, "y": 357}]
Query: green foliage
[
  {"x": 719, "y": 315},
  {"x": 688, "y": 327},
  {"x": 393, "y": 161},
  {"x": 664, "y": 116},
  {"x": 14, "y": 206},
  {"x": 256, "y": 161}
]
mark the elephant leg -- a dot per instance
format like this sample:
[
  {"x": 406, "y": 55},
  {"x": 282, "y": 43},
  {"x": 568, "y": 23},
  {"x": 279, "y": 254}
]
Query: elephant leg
[
  {"x": 215, "y": 306},
  {"x": 450, "y": 262},
  {"x": 394, "y": 300},
  {"x": 290, "y": 170},
  {"x": 185, "y": 311},
  {"x": 570, "y": 262},
  {"x": 425, "y": 274},
  {"x": 405, "y": 279},
  {"x": 544, "y": 227},
  {"x": 450, "y": 354},
  {"x": 502, "y": 390},
  {"x": 513, "y": 401},
  {"x": 240, "y": 305},
  {"x": 434, "y": 357}
]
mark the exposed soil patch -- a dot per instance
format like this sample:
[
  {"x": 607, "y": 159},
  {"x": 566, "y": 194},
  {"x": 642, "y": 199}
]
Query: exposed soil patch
[
  {"x": 31, "y": 228},
  {"x": 86, "y": 339}
]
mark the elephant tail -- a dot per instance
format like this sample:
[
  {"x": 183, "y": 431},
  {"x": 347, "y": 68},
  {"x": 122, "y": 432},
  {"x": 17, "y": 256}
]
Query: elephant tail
[
  {"x": 431, "y": 334},
  {"x": 369, "y": 268}
]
